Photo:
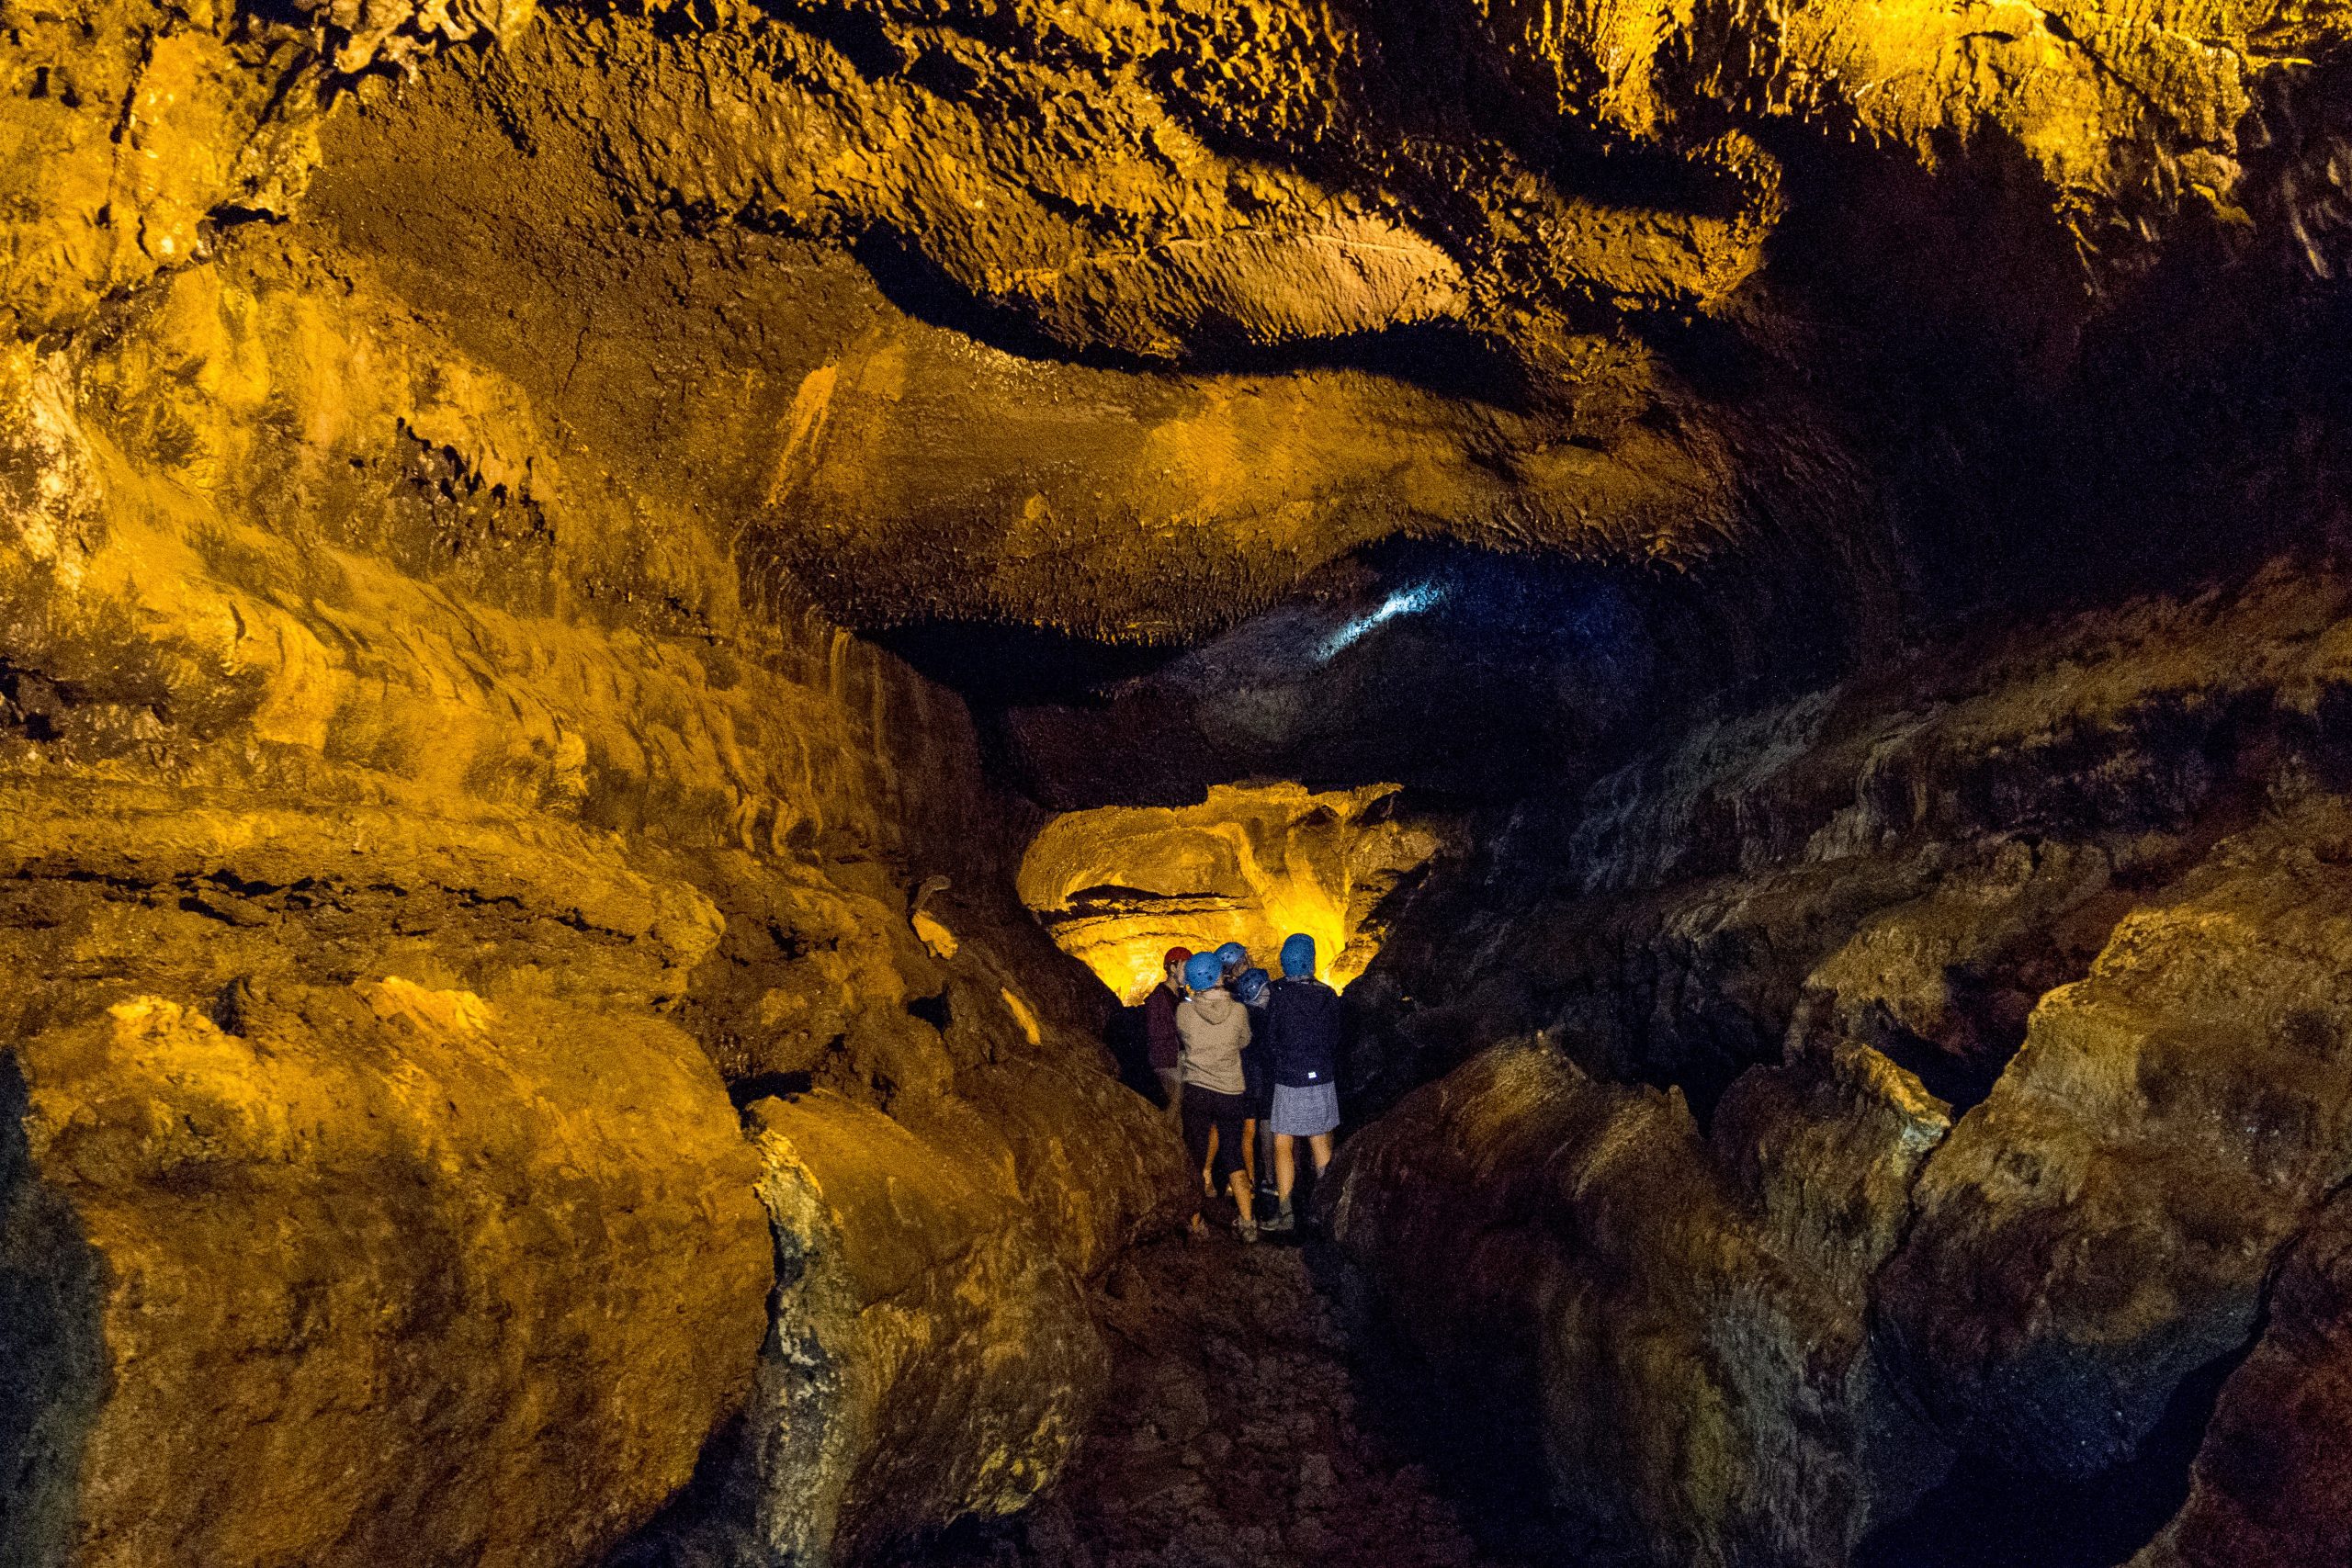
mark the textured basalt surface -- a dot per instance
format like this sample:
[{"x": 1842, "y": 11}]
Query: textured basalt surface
[
  {"x": 447, "y": 451},
  {"x": 931, "y": 1357},
  {"x": 385, "y": 1221},
  {"x": 328, "y": 663},
  {"x": 1118, "y": 886},
  {"x": 1287, "y": 279},
  {"x": 2086, "y": 887}
]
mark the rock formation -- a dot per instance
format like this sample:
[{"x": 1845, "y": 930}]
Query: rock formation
[
  {"x": 336, "y": 670},
  {"x": 932, "y": 1357},
  {"x": 2089, "y": 891},
  {"x": 1117, "y": 887},
  {"x": 373, "y": 1274},
  {"x": 2268, "y": 1482},
  {"x": 1781, "y": 565}
]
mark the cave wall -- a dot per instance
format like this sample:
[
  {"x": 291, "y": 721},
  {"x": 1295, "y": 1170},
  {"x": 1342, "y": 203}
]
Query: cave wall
[
  {"x": 442, "y": 448},
  {"x": 1938, "y": 1080},
  {"x": 1118, "y": 886},
  {"x": 973, "y": 311},
  {"x": 369, "y": 744}
]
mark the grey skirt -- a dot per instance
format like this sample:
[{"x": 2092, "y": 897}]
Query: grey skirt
[{"x": 1303, "y": 1112}]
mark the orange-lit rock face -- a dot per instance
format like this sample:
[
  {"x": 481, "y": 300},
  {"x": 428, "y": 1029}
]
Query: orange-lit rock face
[
  {"x": 1252, "y": 863},
  {"x": 374, "y": 1274},
  {"x": 440, "y": 444},
  {"x": 1105, "y": 219},
  {"x": 329, "y": 654}
]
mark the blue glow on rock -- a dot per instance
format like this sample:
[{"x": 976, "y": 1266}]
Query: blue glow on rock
[{"x": 1404, "y": 602}]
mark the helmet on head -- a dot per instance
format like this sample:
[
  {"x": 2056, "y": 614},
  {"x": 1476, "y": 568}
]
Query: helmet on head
[
  {"x": 1231, "y": 953},
  {"x": 1250, "y": 988},
  {"x": 1174, "y": 956},
  {"x": 1202, "y": 972},
  {"x": 1298, "y": 955}
]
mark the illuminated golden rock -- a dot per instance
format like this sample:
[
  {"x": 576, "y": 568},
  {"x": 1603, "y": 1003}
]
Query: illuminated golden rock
[
  {"x": 433, "y": 483},
  {"x": 375, "y": 1274},
  {"x": 1251, "y": 863},
  {"x": 931, "y": 1356},
  {"x": 329, "y": 660},
  {"x": 1170, "y": 191}
]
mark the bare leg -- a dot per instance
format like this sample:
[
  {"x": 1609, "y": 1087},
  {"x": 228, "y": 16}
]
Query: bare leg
[
  {"x": 1208, "y": 1165},
  {"x": 1285, "y": 1166},
  {"x": 1240, "y": 1185},
  {"x": 1320, "y": 1145}
]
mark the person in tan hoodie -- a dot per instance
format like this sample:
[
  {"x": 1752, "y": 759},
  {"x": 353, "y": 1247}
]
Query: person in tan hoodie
[{"x": 1214, "y": 1028}]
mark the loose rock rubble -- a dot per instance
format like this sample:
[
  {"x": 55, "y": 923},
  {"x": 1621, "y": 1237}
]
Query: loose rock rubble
[{"x": 1243, "y": 1428}]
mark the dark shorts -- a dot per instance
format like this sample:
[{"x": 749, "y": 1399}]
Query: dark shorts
[
  {"x": 1260, "y": 1095},
  {"x": 1204, "y": 1109}
]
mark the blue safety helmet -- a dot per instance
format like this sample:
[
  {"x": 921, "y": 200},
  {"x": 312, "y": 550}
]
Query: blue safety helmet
[
  {"x": 1202, "y": 971},
  {"x": 1250, "y": 988},
  {"x": 1299, "y": 956},
  {"x": 1231, "y": 953}
]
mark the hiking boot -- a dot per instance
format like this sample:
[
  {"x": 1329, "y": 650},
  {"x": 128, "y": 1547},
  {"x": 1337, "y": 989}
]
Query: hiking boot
[
  {"x": 1277, "y": 1223},
  {"x": 1247, "y": 1232}
]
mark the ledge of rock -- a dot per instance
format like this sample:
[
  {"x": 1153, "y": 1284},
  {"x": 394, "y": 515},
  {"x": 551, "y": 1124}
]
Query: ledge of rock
[{"x": 1117, "y": 887}]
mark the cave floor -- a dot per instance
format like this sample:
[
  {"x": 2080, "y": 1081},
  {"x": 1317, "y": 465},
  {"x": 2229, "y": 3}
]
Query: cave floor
[{"x": 1244, "y": 1427}]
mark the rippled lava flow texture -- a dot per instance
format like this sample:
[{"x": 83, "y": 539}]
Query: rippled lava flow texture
[{"x": 627, "y": 627}]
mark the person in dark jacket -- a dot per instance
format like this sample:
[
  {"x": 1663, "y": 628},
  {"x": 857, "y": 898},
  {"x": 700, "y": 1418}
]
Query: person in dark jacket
[
  {"x": 1305, "y": 1033},
  {"x": 1252, "y": 990},
  {"x": 1161, "y": 1041}
]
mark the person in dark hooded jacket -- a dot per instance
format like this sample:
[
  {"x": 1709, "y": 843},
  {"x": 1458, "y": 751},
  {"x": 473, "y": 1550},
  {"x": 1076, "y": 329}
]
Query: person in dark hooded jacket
[
  {"x": 1304, "y": 1034},
  {"x": 1166, "y": 1047}
]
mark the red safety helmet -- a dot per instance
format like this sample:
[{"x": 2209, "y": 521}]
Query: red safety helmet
[{"x": 1175, "y": 956}]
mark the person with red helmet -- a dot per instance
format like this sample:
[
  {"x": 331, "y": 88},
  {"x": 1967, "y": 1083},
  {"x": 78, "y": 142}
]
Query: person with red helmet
[{"x": 1167, "y": 1047}]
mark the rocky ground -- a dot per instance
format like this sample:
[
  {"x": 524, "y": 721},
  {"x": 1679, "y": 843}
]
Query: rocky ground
[{"x": 1247, "y": 1425}]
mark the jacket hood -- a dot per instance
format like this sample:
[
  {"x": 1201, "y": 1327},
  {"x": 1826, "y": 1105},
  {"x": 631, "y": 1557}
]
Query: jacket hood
[{"x": 1215, "y": 1005}]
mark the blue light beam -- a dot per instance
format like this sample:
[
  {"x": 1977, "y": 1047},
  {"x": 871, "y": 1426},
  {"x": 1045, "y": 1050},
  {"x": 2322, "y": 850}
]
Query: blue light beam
[{"x": 1404, "y": 602}]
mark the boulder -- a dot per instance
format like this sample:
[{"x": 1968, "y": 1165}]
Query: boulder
[
  {"x": 375, "y": 1274},
  {"x": 930, "y": 1356},
  {"x": 2272, "y": 1484},
  {"x": 1685, "y": 1321},
  {"x": 2102, "y": 1225}
]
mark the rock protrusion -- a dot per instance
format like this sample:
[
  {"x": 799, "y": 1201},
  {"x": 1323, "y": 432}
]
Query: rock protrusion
[
  {"x": 1692, "y": 1321},
  {"x": 390, "y": 1275},
  {"x": 2103, "y": 1226},
  {"x": 931, "y": 1356}
]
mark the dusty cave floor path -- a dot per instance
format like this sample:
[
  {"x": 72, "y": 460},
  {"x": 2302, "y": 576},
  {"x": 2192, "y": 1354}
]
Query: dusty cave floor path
[{"x": 1243, "y": 1430}]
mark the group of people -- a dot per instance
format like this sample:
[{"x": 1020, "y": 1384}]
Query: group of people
[{"x": 1241, "y": 1056}]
